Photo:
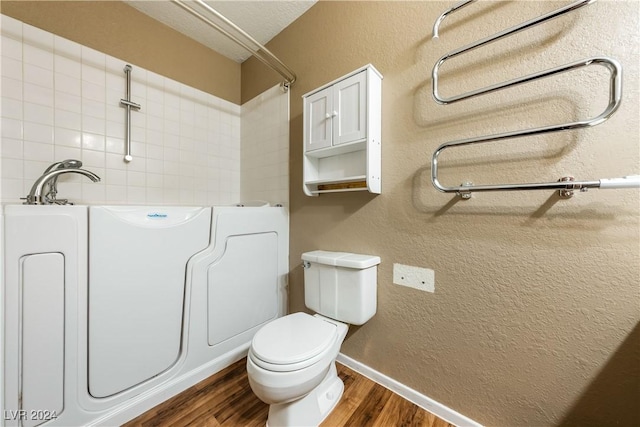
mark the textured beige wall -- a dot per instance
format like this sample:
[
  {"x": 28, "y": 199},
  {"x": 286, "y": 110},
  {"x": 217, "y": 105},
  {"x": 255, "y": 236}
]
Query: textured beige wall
[
  {"x": 119, "y": 30},
  {"x": 534, "y": 321}
]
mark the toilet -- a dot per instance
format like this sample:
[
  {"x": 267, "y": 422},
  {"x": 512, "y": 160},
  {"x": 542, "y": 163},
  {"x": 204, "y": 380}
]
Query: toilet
[{"x": 291, "y": 361}]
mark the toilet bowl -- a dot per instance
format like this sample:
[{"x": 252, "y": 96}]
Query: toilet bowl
[
  {"x": 283, "y": 367},
  {"x": 291, "y": 361}
]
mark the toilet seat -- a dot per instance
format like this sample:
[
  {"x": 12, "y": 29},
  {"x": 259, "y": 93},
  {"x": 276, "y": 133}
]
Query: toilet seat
[{"x": 292, "y": 342}]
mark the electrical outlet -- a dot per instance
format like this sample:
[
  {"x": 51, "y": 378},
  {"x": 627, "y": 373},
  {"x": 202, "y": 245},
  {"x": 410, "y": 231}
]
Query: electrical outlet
[{"x": 414, "y": 277}]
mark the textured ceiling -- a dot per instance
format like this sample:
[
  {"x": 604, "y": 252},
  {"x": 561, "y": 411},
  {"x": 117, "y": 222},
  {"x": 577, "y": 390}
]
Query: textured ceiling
[{"x": 260, "y": 19}]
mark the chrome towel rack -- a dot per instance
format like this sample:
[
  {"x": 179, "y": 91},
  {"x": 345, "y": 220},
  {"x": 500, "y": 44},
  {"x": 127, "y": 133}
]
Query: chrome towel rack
[
  {"x": 487, "y": 40},
  {"x": 436, "y": 25},
  {"x": 565, "y": 185},
  {"x": 242, "y": 38},
  {"x": 615, "y": 97}
]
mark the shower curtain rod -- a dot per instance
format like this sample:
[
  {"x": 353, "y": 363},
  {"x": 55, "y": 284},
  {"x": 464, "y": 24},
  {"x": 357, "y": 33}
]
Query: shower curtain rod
[{"x": 258, "y": 50}]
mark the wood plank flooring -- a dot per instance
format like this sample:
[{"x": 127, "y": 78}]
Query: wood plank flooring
[{"x": 226, "y": 400}]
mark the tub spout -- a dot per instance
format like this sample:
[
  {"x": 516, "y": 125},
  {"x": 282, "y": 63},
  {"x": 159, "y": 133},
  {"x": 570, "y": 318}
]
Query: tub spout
[{"x": 36, "y": 197}]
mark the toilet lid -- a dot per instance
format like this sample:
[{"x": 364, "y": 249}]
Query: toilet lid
[{"x": 293, "y": 339}]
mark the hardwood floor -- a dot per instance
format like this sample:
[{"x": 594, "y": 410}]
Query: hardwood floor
[{"x": 225, "y": 399}]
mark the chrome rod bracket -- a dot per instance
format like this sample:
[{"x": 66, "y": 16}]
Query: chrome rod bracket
[
  {"x": 464, "y": 194},
  {"x": 566, "y": 193}
]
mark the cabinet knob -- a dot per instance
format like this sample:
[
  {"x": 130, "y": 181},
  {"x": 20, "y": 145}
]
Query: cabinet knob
[{"x": 330, "y": 115}]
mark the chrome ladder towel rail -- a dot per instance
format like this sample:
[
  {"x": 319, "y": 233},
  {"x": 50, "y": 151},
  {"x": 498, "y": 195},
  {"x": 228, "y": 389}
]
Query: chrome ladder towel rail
[
  {"x": 436, "y": 25},
  {"x": 565, "y": 185},
  {"x": 487, "y": 40}
]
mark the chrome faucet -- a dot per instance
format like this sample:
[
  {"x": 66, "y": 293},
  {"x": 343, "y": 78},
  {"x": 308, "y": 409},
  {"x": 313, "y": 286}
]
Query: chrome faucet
[
  {"x": 49, "y": 179},
  {"x": 50, "y": 189}
]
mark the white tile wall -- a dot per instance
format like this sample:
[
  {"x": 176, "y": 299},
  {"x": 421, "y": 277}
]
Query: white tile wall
[
  {"x": 60, "y": 100},
  {"x": 265, "y": 147}
]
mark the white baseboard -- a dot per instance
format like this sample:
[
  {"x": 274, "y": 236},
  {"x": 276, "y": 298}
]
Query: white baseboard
[{"x": 426, "y": 403}]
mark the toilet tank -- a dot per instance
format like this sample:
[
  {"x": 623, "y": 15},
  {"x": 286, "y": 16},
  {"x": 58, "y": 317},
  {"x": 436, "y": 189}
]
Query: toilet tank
[{"x": 341, "y": 285}]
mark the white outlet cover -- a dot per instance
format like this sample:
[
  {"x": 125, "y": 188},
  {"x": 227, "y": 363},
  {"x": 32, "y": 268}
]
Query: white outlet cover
[{"x": 414, "y": 277}]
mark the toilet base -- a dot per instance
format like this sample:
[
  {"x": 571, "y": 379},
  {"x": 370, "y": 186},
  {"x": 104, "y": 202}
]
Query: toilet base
[{"x": 312, "y": 409}]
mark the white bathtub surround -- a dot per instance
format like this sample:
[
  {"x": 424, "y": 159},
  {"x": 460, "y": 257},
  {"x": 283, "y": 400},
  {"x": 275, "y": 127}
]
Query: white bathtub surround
[
  {"x": 61, "y": 100},
  {"x": 265, "y": 147}
]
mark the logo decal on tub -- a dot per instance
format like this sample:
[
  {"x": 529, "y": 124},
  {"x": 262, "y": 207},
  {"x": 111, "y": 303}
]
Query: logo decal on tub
[{"x": 157, "y": 215}]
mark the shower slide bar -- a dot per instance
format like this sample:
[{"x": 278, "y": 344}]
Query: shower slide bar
[
  {"x": 245, "y": 40},
  {"x": 487, "y": 40},
  {"x": 565, "y": 185},
  {"x": 128, "y": 104}
]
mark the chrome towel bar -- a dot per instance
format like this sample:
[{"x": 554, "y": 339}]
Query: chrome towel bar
[
  {"x": 436, "y": 25},
  {"x": 565, "y": 185},
  {"x": 615, "y": 97},
  {"x": 487, "y": 40}
]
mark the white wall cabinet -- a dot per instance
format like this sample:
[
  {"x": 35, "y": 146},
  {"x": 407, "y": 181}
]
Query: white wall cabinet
[{"x": 342, "y": 134}]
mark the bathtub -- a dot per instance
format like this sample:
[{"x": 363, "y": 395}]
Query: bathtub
[{"x": 110, "y": 310}]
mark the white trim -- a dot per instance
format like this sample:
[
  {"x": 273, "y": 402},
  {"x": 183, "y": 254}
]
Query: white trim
[{"x": 426, "y": 403}]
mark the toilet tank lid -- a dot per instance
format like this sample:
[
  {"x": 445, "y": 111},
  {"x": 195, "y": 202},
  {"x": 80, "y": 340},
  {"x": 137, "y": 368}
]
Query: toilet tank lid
[{"x": 341, "y": 259}]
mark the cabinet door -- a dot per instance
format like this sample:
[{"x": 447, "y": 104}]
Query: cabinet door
[
  {"x": 350, "y": 103},
  {"x": 317, "y": 122}
]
